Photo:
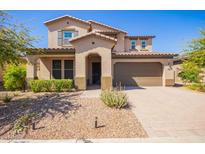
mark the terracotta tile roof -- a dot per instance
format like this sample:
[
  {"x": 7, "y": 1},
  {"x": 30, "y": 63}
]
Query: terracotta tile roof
[
  {"x": 107, "y": 32},
  {"x": 50, "y": 50},
  {"x": 141, "y": 53},
  {"x": 66, "y": 16},
  {"x": 98, "y": 23},
  {"x": 93, "y": 33},
  {"x": 140, "y": 36}
]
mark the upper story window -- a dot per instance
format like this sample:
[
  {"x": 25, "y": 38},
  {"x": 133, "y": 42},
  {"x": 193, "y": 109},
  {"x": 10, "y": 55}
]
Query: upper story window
[
  {"x": 143, "y": 44},
  {"x": 67, "y": 35},
  {"x": 133, "y": 44}
]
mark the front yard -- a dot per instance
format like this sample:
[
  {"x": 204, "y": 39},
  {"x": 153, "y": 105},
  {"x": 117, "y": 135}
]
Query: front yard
[{"x": 67, "y": 116}]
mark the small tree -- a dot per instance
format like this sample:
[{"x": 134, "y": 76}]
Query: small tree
[
  {"x": 194, "y": 64},
  {"x": 14, "y": 39},
  {"x": 14, "y": 77},
  {"x": 190, "y": 72}
]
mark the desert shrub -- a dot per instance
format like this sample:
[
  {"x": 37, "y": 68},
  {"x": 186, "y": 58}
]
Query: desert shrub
[
  {"x": 23, "y": 122},
  {"x": 197, "y": 87},
  {"x": 51, "y": 85},
  {"x": 14, "y": 77},
  {"x": 7, "y": 99},
  {"x": 113, "y": 98}
]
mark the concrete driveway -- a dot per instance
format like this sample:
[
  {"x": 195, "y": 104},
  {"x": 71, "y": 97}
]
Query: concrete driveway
[{"x": 169, "y": 111}]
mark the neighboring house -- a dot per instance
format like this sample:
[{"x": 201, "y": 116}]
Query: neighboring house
[{"x": 93, "y": 53}]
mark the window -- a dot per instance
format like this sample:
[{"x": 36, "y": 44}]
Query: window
[
  {"x": 59, "y": 73},
  {"x": 67, "y": 35},
  {"x": 143, "y": 45},
  {"x": 68, "y": 69},
  {"x": 133, "y": 44},
  {"x": 56, "y": 69}
]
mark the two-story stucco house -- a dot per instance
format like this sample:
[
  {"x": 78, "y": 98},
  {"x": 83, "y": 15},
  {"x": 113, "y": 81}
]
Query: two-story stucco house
[{"x": 93, "y": 53}]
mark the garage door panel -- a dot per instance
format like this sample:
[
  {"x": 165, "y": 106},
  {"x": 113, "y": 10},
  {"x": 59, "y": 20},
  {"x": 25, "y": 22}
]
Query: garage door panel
[
  {"x": 138, "y": 74},
  {"x": 148, "y": 81}
]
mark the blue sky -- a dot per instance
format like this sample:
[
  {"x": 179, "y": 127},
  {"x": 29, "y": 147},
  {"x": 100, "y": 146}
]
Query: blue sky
[{"x": 173, "y": 29}]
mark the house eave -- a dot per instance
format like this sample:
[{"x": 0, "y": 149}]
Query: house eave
[
  {"x": 142, "y": 55},
  {"x": 50, "y": 51},
  {"x": 140, "y": 37},
  {"x": 66, "y": 16}
]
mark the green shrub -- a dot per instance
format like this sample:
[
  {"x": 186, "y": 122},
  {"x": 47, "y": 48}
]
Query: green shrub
[
  {"x": 190, "y": 72},
  {"x": 51, "y": 85},
  {"x": 41, "y": 85},
  {"x": 113, "y": 98},
  {"x": 14, "y": 77},
  {"x": 61, "y": 85},
  {"x": 197, "y": 86}
]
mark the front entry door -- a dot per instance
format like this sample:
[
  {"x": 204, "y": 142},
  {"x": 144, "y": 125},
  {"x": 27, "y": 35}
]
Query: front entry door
[{"x": 96, "y": 72}]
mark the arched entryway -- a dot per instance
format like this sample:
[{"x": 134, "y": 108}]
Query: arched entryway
[{"x": 93, "y": 71}]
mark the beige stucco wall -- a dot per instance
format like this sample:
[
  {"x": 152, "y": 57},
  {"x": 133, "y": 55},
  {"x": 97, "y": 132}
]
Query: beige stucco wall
[
  {"x": 31, "y": 70},
  {"x": 123, "y": 44},
  {"x": 54, "y": 27},
  {"x": 176, "y": 72},
  {"x": 120, "y": 45},
  {"x": 45, "y": 69},
  {"x": 127, "y": 44},
  {"x": 41, "y": 67},
  {"x": 168, "y": 73},
  {"x": 90, "y": 59},
  {"x": 85, "y": 47},
  {"x": 149, "y": 44},
  {"x": 97, "y": 27}
]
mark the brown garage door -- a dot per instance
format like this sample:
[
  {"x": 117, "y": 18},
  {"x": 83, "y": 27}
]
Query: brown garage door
[{"x": 138, "y": 74}]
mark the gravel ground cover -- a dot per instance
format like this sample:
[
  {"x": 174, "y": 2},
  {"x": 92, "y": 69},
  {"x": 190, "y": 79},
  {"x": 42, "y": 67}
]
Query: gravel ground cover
[{"x": 67, "y": 116}]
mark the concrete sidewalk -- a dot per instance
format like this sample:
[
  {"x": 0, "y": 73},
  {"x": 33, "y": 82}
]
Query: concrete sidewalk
[{"x": 117, "y": 140}]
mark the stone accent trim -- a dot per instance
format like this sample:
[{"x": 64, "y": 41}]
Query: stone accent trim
[
  {"x": 80, "y": 83},
  {"x": 106, "y": 82},
  {"x": 169, "y": 82}
]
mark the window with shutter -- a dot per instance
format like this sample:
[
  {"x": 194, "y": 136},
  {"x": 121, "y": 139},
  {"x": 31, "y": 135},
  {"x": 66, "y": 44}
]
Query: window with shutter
[
  {"x": 59, "y": 38},
  {"x": 75, "y": 33},
  {"x": 67, "y": 35}
]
